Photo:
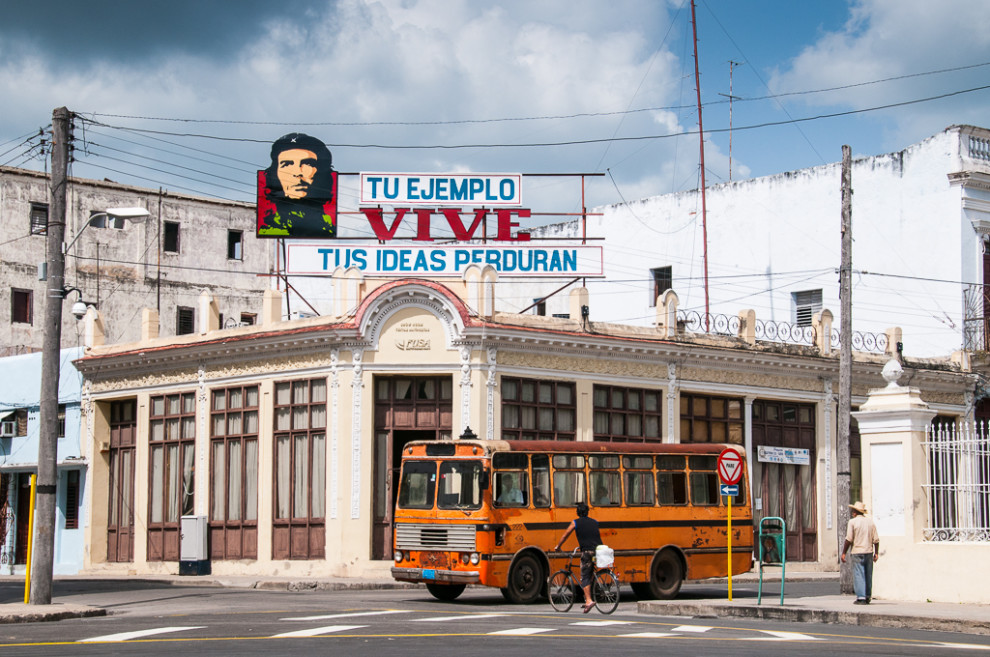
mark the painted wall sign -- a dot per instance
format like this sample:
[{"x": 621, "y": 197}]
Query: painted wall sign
[
  {"x": 297, "y": 193},
  {"x": 788, "y": 455},
  {"x": 380, "y": 260},
  {"x": 455, "y": 189}
]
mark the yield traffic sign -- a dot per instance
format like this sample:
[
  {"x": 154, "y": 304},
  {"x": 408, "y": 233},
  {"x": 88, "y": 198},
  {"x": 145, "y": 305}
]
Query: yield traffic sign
[{"x": 729, "y": 466}]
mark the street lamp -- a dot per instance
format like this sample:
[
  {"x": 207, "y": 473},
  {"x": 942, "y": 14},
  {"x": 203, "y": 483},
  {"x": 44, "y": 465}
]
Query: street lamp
[{"x": 43, "y": 547}]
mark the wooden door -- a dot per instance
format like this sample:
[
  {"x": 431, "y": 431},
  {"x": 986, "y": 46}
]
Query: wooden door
[{"x": 120, "y": 519}]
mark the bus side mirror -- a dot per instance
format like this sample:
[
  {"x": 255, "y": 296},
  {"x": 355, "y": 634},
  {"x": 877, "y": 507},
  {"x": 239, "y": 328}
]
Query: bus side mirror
[{"x": 485, "y": 480}]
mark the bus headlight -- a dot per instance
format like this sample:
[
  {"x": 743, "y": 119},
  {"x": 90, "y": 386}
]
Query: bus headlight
[
  {"x": 398, "y": 556},
  {"x": 475, "y": 558},
  {"x": 465, "y": 558}
]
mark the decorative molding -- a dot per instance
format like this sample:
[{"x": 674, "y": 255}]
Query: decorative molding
[
  {"x": 672, "y": 391},
  {"x": 356, "y": 386},
  {"x": 202, "y": 502},
  {"x": 411, "y": 296},
  {"x": 334, "y": 422},
  {"x": 465, "y": 388},
  {"x": 827, "y": 404},
  {"x": 492, "y": 384}
]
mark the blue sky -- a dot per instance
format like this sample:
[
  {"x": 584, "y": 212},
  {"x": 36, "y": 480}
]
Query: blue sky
[{"x": 379, "y": 80}]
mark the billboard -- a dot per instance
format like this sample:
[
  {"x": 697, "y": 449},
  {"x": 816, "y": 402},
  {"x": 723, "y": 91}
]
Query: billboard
[
  {"x": 453, "y": 260},
  {"x": 297, "y": 193},
  {"x": 460, "y": 189}
]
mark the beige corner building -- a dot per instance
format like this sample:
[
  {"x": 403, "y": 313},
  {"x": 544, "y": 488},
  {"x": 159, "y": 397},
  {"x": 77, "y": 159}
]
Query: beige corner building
[{"x": 286, "y": 435}]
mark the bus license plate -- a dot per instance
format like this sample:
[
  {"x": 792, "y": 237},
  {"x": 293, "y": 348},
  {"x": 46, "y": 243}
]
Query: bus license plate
[{"x": 429, "y": 574}]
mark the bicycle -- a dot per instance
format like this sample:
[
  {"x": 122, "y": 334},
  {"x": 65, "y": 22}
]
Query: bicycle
[{"x": 563, "y": 588}]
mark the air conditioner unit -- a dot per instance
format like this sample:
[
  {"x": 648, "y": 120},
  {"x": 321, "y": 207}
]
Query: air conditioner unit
[{"x": 8, "y": 428}]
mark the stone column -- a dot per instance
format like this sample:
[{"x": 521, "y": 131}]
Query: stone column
[{"x": 892, "y": 426}]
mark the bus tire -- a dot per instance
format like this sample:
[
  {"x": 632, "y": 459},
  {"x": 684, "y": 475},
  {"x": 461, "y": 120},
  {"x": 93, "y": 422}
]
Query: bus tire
[
  {"x": 666, "y": 575},
  {"x": 643, "y": 590},
  {"x": 526, "y": 580},
  {"x": 445, "y": 592}
]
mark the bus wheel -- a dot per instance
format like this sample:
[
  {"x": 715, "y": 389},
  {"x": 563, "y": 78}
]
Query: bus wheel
[
  {"x": 526, "y": 580},
  {"x": 445, "y": 592},
  {"x": 667, "y": 575},
  {"x": 643, "y": 590}
]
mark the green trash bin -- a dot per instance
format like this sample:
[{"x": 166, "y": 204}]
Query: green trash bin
[{"x": 773, "y": 550}]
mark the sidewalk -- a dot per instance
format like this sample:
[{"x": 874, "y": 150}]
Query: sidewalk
[{"x": 838, "y": 609}]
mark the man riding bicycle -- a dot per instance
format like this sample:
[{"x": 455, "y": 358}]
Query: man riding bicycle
[{"x": 589, "y": 538}]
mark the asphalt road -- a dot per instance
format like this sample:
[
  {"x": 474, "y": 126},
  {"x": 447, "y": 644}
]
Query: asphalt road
[{"x": 154, "y": 619}]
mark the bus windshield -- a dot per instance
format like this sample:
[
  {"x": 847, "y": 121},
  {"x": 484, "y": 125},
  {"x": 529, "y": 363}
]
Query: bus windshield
[{"x": 459, "y": 485}]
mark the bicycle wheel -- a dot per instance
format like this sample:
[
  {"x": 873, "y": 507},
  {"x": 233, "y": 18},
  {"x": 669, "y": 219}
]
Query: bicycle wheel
[
  {"x": 606, "y": 591},
  {"x": 560, "y": 590}
]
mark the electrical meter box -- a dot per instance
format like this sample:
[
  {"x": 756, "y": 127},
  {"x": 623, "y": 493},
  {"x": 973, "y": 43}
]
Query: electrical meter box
[{"x": 194, "y": 556}]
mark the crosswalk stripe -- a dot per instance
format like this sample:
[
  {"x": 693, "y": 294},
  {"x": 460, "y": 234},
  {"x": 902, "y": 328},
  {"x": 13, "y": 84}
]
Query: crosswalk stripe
[
  {"x": 647, "y": 635},
  {"x": 523, "y": 631},
  {"x": 454, "y": 618},
  {"x": 602, "y": 623},
  {"x": 125, "y": 636},
  {"x": 691, "y": 628},
  {"x": 351, "y": 615},
  {"x": 784, "y": 636},
  {"x": 317, "y": 631}
]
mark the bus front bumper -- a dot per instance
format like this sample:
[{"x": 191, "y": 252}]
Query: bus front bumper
[{"x": 432, "y": 575}]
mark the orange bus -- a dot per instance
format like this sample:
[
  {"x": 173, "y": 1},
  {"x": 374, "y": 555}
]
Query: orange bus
[{"x": 490, "y": 512}]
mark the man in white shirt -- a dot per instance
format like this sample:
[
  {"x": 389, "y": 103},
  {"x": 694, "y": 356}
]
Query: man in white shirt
[{"x": 862, "y": 537}]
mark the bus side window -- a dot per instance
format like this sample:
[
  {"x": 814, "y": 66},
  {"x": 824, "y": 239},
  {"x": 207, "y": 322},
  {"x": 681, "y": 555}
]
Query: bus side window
[
  {"x": 511, "y": 488},
  {"x": 638, "y": 480},
  {"x": 671, "y": 480},
  {"x": 704, "y": 481},
  {"x": 541, "y": 480},
  {"x": 568, "y": 488}
]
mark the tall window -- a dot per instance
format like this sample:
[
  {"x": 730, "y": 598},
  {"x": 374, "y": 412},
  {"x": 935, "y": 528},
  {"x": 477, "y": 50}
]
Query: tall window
[
  {"x": 300, "y": 469},
  {"x": 235, "y": 241},
  {"x": 172, "y": 439},
  {"x": 709, "y": 419},
  {"x": 61, "y": 420},
  {"x": 234, "y": 473},
  {"x": 538, "y": 410},
  {"x": 39, "y": 218},
  {"x": 72, "y": 499},
  {"x": 627, "y": 414},
  {"x": 663, "y": 280},
  {"x": 21, "y": 306},
  {"x": 540, "y": 307},
  {"x": 806, "y": 304},
  {"x": 170, "y": 237},
  {"x": 185, "y": 320}
]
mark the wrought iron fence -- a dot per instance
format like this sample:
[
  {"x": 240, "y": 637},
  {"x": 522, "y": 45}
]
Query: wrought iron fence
[
  {"x": 696, "y": 322},
  {"x": 784, "y": 332},
  {"x": 863, "y": 341},
  {"x": 975, "y": 322},
  {"x": 958, "y": 482}
]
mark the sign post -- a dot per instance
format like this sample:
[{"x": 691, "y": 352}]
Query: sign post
[{"x": 729, "y": 472}]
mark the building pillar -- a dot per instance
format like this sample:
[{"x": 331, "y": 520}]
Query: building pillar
[{"x": 892, "y": 426}]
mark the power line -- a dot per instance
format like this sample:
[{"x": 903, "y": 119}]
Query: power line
[
  {"x": 575, "y": 142},
  {"x": 550, "y": 117}
]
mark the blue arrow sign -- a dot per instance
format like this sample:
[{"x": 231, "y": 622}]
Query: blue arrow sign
[{"x": 726, "y": 489}]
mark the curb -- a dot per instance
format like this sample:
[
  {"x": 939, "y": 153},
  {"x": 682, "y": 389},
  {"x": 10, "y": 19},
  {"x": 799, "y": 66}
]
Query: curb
[
  {"x": 809, "y": 615},
  {"x": 47, "y": 615}
]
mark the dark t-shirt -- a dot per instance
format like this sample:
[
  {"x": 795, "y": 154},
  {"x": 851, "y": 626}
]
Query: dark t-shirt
[{"x": 587, "y": 532}]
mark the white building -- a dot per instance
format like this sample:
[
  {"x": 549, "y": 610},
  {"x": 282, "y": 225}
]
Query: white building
[{"x": 920, "y": 222}]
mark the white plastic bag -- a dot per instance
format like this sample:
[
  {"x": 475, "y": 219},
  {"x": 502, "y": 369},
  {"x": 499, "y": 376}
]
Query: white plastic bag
[{"x": 604, "y": 556}]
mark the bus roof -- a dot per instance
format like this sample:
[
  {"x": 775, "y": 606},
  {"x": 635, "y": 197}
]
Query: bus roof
[{"x": 583, "y": 446}]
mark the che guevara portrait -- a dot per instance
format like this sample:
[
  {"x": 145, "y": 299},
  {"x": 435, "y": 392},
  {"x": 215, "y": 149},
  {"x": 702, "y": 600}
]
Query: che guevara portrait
[{"x": 297, "y": 193}]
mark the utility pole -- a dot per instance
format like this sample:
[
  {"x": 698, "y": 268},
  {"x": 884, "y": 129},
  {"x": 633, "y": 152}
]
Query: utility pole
[
  {"x": 701, "y": 138},
  {"x": 845, "y": 366},
  {"x": 43, "y": 548},
  {"x": 732, "y": 65}
]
